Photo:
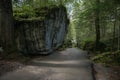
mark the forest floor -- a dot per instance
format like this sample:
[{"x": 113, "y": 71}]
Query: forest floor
[
  {"x": 106, "y": 73},
  {"x": 101, "y": 72},
  {"x": 70, "y": 64},
  {"x": 8, "y": 66}
]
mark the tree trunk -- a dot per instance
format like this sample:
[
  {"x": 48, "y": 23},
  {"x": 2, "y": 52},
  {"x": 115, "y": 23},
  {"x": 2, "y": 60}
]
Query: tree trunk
[
  {"x": 114, "y": 27},
  {"x": 119, "y": 37},
  {"x": 97, "y": 24},
  {"x": 118, "y": 32},
  {"x": 114, "y": 32},
  {"x": 6, "y": 24}
]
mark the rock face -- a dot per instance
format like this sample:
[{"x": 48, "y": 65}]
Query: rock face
[{"x": 39, "y": 35}]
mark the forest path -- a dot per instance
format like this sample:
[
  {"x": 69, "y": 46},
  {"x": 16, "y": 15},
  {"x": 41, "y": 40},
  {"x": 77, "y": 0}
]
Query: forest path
[{"x": 70, "y": 64}]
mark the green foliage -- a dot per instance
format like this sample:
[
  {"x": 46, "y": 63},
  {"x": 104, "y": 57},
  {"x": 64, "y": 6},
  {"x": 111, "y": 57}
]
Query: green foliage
[
  {"x": 24, "y": 12},
  {"x": 39, "y": 3},
  {"x": 91, "y": 46},
  {"x": 108, "y": 58},
  {"x": 28, "y": 12},
  {"x": 108, "y": 42},
  {"x": 84, "y": 20},
  {"x": 82, "y": 14}
]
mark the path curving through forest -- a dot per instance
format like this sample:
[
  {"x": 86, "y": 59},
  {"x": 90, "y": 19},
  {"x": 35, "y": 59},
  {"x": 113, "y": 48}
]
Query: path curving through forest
[{"x": 70, "y": 64}]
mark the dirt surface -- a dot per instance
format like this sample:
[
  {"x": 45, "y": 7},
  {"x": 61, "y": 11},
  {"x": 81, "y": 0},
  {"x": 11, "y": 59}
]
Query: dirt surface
[
  {"x": 107, "y": 73},
  {"x": 54, "y": 64},
  {"x": 70, "y": 64},
  {"x": 8, "y": 66}
]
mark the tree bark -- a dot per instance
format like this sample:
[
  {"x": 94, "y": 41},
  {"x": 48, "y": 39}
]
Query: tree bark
[
  {"x": 119, "y": 37},
  {"x": 97, "y": 24},
  {"x": 114, "y": 32},
  {"x": 114, "y": 27},
  {"x": 6, "y": 24}
]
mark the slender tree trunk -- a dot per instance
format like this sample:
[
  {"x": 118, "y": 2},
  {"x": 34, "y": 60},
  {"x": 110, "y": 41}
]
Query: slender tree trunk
[
  {"x": 114, "y": 32},
  {"x": 97, "y": 24},
  {"x": 6, "y": 24},
  {"x": 119, "y": 37},
  {"x": 114, "y": 28}
]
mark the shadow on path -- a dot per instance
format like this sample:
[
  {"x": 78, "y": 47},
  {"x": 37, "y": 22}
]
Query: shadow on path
[{"x": 71, "y": 64}]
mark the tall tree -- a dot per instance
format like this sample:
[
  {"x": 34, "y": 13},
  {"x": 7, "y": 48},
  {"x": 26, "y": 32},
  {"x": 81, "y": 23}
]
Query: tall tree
[
  {"x": 97, "y": 23},
  {"x": 6, "y": 24}
]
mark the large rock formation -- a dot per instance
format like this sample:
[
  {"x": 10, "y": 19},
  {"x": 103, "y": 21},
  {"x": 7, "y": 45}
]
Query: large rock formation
[{"x": 43, "y": 34}]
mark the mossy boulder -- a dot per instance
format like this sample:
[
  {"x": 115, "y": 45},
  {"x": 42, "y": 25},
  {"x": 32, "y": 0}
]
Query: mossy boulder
[{"x": 44, "y": 32}]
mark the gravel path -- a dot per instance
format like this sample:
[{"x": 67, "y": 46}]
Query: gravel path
[{"x": 71, "y": 64}]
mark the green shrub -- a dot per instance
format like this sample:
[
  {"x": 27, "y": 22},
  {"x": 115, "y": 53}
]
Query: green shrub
[
  {"x": 109, "y": 58},
  {"x": 91, "y": 46}
]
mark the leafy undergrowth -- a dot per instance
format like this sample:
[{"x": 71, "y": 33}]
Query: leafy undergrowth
[
  {"x": 108, "y": 58},
  {"x": 91, "y": 46}
]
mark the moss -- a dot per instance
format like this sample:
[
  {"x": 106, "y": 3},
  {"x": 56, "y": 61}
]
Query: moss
[
  {"x": 34, "y": 19},
  {"x": 23, "y": 13},
  {"x": 108, "y": 58},
  {"x": 28, "y": 13},
  {"x": 41, "y": 11}
]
